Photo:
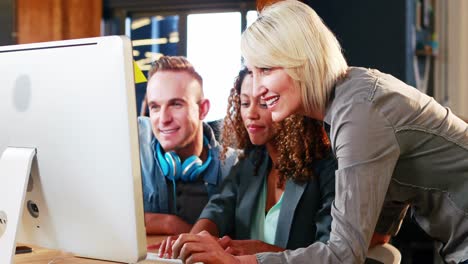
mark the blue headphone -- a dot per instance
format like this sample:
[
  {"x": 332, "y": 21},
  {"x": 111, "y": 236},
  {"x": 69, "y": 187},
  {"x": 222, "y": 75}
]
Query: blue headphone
[{"x": 187, "y": 171}]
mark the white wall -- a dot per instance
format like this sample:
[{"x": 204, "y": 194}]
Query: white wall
[{"x": 452, "y": 63}]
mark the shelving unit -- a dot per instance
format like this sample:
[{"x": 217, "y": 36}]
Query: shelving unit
[{"x": 425, "y": 45}]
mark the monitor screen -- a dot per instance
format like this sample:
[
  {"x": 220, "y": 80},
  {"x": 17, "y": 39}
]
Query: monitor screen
[{"x": 74, "y": 103}]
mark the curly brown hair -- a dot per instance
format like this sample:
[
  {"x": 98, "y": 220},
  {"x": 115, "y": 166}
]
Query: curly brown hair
[{"x": 300, "y": 140}]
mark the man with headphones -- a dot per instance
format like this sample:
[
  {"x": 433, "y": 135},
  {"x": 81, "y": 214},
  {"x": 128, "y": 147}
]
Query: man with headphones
[{"x": 179, "y": 154}]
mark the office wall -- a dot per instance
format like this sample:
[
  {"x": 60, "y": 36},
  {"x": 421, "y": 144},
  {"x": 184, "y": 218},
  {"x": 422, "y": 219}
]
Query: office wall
[
  {"x": 6, "y": 22},
  {"x": 171, "y": 5},
  {"x": 48, "y": 20},
  {"x": 457, "y": 57},
  {"x": 374, "y": 34}
]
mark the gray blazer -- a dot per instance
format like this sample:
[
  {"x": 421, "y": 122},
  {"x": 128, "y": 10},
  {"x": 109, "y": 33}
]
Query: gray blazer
[
  {"x": 305, "y": 211},
  {"x": 396, "y": 147}
]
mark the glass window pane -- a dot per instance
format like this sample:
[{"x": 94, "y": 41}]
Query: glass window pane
[
  {"x": 251, "y": 17},
  {"x": 213, "y": 46},
  {"x": 151, "y": 37}
]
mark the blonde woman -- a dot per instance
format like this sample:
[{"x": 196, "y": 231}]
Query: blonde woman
[{"x": 396, "y": 147}]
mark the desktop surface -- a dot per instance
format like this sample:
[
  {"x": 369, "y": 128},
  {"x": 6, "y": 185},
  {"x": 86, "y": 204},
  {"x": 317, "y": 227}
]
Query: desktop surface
[{"x": 46, "y": 256}]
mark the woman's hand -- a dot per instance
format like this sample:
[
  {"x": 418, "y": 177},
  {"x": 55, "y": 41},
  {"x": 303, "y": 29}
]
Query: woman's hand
[
  {"x": 246, "y": 247},
  {"x": 165, "y": 247},
  {"x": 201, "y": 247}
]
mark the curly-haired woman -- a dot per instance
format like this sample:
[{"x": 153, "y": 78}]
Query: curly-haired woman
[{"x": 278, "y": 196}]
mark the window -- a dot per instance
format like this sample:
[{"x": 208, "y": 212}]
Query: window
[
  {"x": 210, "y": 39},
  {"x": 213, "y": 47}
]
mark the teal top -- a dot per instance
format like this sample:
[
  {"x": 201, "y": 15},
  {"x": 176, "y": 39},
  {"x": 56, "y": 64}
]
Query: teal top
[
  {"x": 264, "y": 226},
  {"x": 305, "y": 208}
]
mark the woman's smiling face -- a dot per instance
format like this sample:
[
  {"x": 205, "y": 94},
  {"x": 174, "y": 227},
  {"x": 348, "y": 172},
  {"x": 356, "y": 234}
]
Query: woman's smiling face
[
  {"x": 257, "y": 119},
  {"x": 276, "y": 88}
]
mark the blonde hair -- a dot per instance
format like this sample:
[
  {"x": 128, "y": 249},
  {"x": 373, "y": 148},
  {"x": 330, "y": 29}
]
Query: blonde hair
[{"x": 289, "y": 34}]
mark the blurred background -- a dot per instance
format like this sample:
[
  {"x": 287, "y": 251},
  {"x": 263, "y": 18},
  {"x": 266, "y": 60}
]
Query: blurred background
[{"x": 422, "y": 42}]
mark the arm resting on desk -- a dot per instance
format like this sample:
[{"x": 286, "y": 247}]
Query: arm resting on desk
[
  {"x": 165, "y": 224},
  {"x": 207, "y": 225}
]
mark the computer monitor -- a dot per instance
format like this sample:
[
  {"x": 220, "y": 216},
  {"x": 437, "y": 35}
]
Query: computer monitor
[{"x": 73, "y": 103}]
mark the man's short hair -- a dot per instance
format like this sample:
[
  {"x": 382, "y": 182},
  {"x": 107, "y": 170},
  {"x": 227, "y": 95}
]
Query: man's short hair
[{"x": 174, "y": 63}]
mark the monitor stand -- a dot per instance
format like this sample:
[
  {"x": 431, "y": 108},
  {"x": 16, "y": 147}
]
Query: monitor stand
[{"x": 15, "y": 168}]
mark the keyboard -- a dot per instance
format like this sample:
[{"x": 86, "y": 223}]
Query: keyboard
[{"x": 152, "y": 258}]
